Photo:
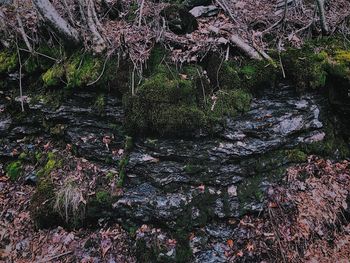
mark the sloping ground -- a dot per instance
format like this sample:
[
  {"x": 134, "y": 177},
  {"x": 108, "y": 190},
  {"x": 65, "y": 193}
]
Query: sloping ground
[
  {"x": 21, "y": 241},
  {"x": 306, "y": 221}
]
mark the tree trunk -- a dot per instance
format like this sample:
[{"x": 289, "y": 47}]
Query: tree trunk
[{"x": 53, "y": 18}]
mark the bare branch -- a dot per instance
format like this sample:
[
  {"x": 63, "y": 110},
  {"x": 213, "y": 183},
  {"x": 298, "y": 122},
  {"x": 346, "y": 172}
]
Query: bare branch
[{"x": 320, "y": 5}]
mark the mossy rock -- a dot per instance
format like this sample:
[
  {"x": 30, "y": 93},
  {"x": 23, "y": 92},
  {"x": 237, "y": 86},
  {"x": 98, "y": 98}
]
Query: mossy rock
[
  {"x": 258, "y": 75},
  {"x": 229, "y": 75},
  {"x": 338, "y": 64},
  {"x": 8, "y": 61},
  {"x": 230, "y": 103},
  {"x": 82, "y": 69},
  {"x": 14, "y": 170},
  {"x": 177, "y": 120},
  {"x": 53, "y": 76},
  {"x": 297, "y": 156},
  {"x": 98, "y": 206},
  {"x": 333, "y": 145},
  {"x": 305, "y": 68},
  {"x": 179, "y": 103},
  {"x": 164, "y": 103}
]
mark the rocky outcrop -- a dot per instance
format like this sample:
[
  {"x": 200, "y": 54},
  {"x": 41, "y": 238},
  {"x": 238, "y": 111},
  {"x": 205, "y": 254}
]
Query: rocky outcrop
[
  {"x": 203, "y": 179},
  {"x": 199, "y": 183}
]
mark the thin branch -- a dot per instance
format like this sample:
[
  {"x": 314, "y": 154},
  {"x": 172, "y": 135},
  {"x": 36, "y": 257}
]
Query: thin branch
[
  {"x": 23, "y": 33},
  {"x": 70, "y": 16},
  {"x": 48, "y": 259},
  {"x": 20, "y": 76},
  {"x": 250, "y": 51},
  {"x": 281, "y": 21},
  {"x": 141, "y": 10},
  {"x": 101, "y": 74},
  {"x": 133, "y": 81},
  {"x": 320, "y": 5},
  {"x": 225, "y": 7},
  {"x": 40, "y": 54}
]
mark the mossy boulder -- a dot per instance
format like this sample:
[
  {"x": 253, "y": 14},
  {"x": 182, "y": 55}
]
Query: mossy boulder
[
  {"x": 180, "y": 102},
  {"x": 258, "y": 75},
  {"x": 333, "y": 144},
  {"x": 98, "y": 206},
  {"x": 165, "y": 105},
  {"x": 338, "y": 64}
]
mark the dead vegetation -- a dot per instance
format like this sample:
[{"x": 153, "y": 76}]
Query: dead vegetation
[
  {"x": 133, "y": 28},
  {"x": 307, "y": 220}
]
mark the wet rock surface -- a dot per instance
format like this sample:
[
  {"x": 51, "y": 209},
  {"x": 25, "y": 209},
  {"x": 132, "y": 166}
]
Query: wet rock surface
[
  {"x": 215, "y": 169},
  {"x": 199, "y": 184},
  {"x": 93, "y": 134}
]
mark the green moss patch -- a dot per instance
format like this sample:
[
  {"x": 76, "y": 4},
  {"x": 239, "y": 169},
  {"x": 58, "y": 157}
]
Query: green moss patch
[
  {"x": 51, "y": 163},
  {"x": 53, "y": 76},
  {"x": 8, "y": 61},
  {"x": 163, "y": 104},
  {"x": 230, "y": 103},
  {"x": 173, "y": 103},
  {"x": 297, "y": 156},
  {"x": 250, "y": 75},
  {"x": 338, "y": 64},
  {"x": 80, "y": 70},
  {"x": 14, "y": 170},
  {"x": 305, "y": 68}
]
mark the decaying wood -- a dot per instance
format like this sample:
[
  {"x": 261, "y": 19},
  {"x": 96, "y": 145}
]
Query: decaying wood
[
  {"x": 53, "y": 18},
  {"x": 246, "y": 48},
  {"x": 240, "y": 43}
]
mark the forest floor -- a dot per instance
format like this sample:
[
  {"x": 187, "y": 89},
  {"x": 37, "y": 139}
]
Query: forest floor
[
  {"x": 307, "y": 220},
  {"x": 262, "y": 24}
]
